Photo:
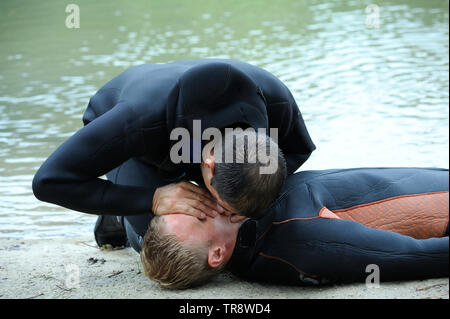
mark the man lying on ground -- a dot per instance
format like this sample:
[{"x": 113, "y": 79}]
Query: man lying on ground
[{"x": 326, "y": 227}]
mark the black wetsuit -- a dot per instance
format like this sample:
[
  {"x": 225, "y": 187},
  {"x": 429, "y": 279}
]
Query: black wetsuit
[
  {"x": 328, "y": 226},
  {"x": 128, "y": 123}
]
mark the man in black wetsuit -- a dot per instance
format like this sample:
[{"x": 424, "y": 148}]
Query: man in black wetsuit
[
  {"x": 326, "y": 226},
  {"x": 127, "y": 137}
]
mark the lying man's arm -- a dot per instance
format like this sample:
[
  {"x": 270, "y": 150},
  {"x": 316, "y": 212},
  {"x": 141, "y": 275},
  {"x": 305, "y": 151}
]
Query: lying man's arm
[{"x": 322, "y": 250}]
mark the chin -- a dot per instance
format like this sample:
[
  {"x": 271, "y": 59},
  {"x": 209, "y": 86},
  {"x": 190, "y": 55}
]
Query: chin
[{"x": 222, "y": 220}]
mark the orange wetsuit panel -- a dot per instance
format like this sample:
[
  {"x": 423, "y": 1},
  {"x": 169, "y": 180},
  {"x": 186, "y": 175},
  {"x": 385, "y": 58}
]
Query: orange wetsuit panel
[{"x": 419, "y": 216}]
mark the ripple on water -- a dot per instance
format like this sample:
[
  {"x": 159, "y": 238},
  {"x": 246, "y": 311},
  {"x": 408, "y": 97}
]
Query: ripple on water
[{"x": 370, "y": 97}]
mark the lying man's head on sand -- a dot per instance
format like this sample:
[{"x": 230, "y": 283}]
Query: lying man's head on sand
[{"x": 181, "y": 251}]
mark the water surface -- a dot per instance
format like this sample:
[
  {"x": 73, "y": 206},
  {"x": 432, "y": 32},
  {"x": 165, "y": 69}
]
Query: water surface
[{"x": 370, "y": 96}]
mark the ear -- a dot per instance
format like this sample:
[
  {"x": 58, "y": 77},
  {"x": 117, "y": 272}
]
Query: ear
[
  {"x": 216, "y": 256},
  {"x": 210, "y": 162}
]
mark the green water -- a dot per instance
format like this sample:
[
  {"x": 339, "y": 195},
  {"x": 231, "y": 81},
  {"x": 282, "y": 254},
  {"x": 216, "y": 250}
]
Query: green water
[{"x": 370, "y": 96}]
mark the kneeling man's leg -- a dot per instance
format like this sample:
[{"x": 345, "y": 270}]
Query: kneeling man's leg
[{"x": 118, "y": 230}]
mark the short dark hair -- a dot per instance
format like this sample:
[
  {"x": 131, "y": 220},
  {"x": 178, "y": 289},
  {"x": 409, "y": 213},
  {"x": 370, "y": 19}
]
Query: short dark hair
[{"x": 241, "y": 183}]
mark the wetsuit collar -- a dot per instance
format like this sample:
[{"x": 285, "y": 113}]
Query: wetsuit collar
[{"x": 244, "y": 248}]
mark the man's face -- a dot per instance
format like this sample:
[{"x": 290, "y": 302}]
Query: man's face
[
  {"x": 187, "y": 227},
  {"x": 213, "y": 232},
  {"x": 207, "y": 168}
]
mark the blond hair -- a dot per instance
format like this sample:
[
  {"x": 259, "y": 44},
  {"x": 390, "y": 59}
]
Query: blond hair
[{"x": 173, "y": 263}]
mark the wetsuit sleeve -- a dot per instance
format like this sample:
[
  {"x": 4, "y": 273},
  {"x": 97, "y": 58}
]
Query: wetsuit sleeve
[
  {"x": 70, "y": 176},
  {"x": 296, "y": 144},
  {"x": 323, "y": 251},
  {"x": 342, "y": 249}
]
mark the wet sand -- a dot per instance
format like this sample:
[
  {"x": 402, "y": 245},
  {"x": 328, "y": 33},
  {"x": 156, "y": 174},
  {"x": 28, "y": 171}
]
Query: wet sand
[{"x": 49, "y": 268}]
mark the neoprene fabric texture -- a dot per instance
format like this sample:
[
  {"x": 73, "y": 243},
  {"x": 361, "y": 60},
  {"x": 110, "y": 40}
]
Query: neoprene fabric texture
[
  {"x": 293, "y": 244},
  {"x": 132, "y": 116}
]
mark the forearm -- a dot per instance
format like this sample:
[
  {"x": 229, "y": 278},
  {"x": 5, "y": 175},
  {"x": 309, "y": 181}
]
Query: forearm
[
  {"x": 341, "y": 250},
  {"x": 70, "y": 176},
  {"x": 96, "y": 196},
  {"x": 323, "y": 250}
]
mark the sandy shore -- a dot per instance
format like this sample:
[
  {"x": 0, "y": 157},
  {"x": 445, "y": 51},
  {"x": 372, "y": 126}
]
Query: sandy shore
[{"x": 76, "y": 268}]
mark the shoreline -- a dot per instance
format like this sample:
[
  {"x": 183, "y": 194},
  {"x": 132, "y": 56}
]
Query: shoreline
[{"x": 74, "y": 268}]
